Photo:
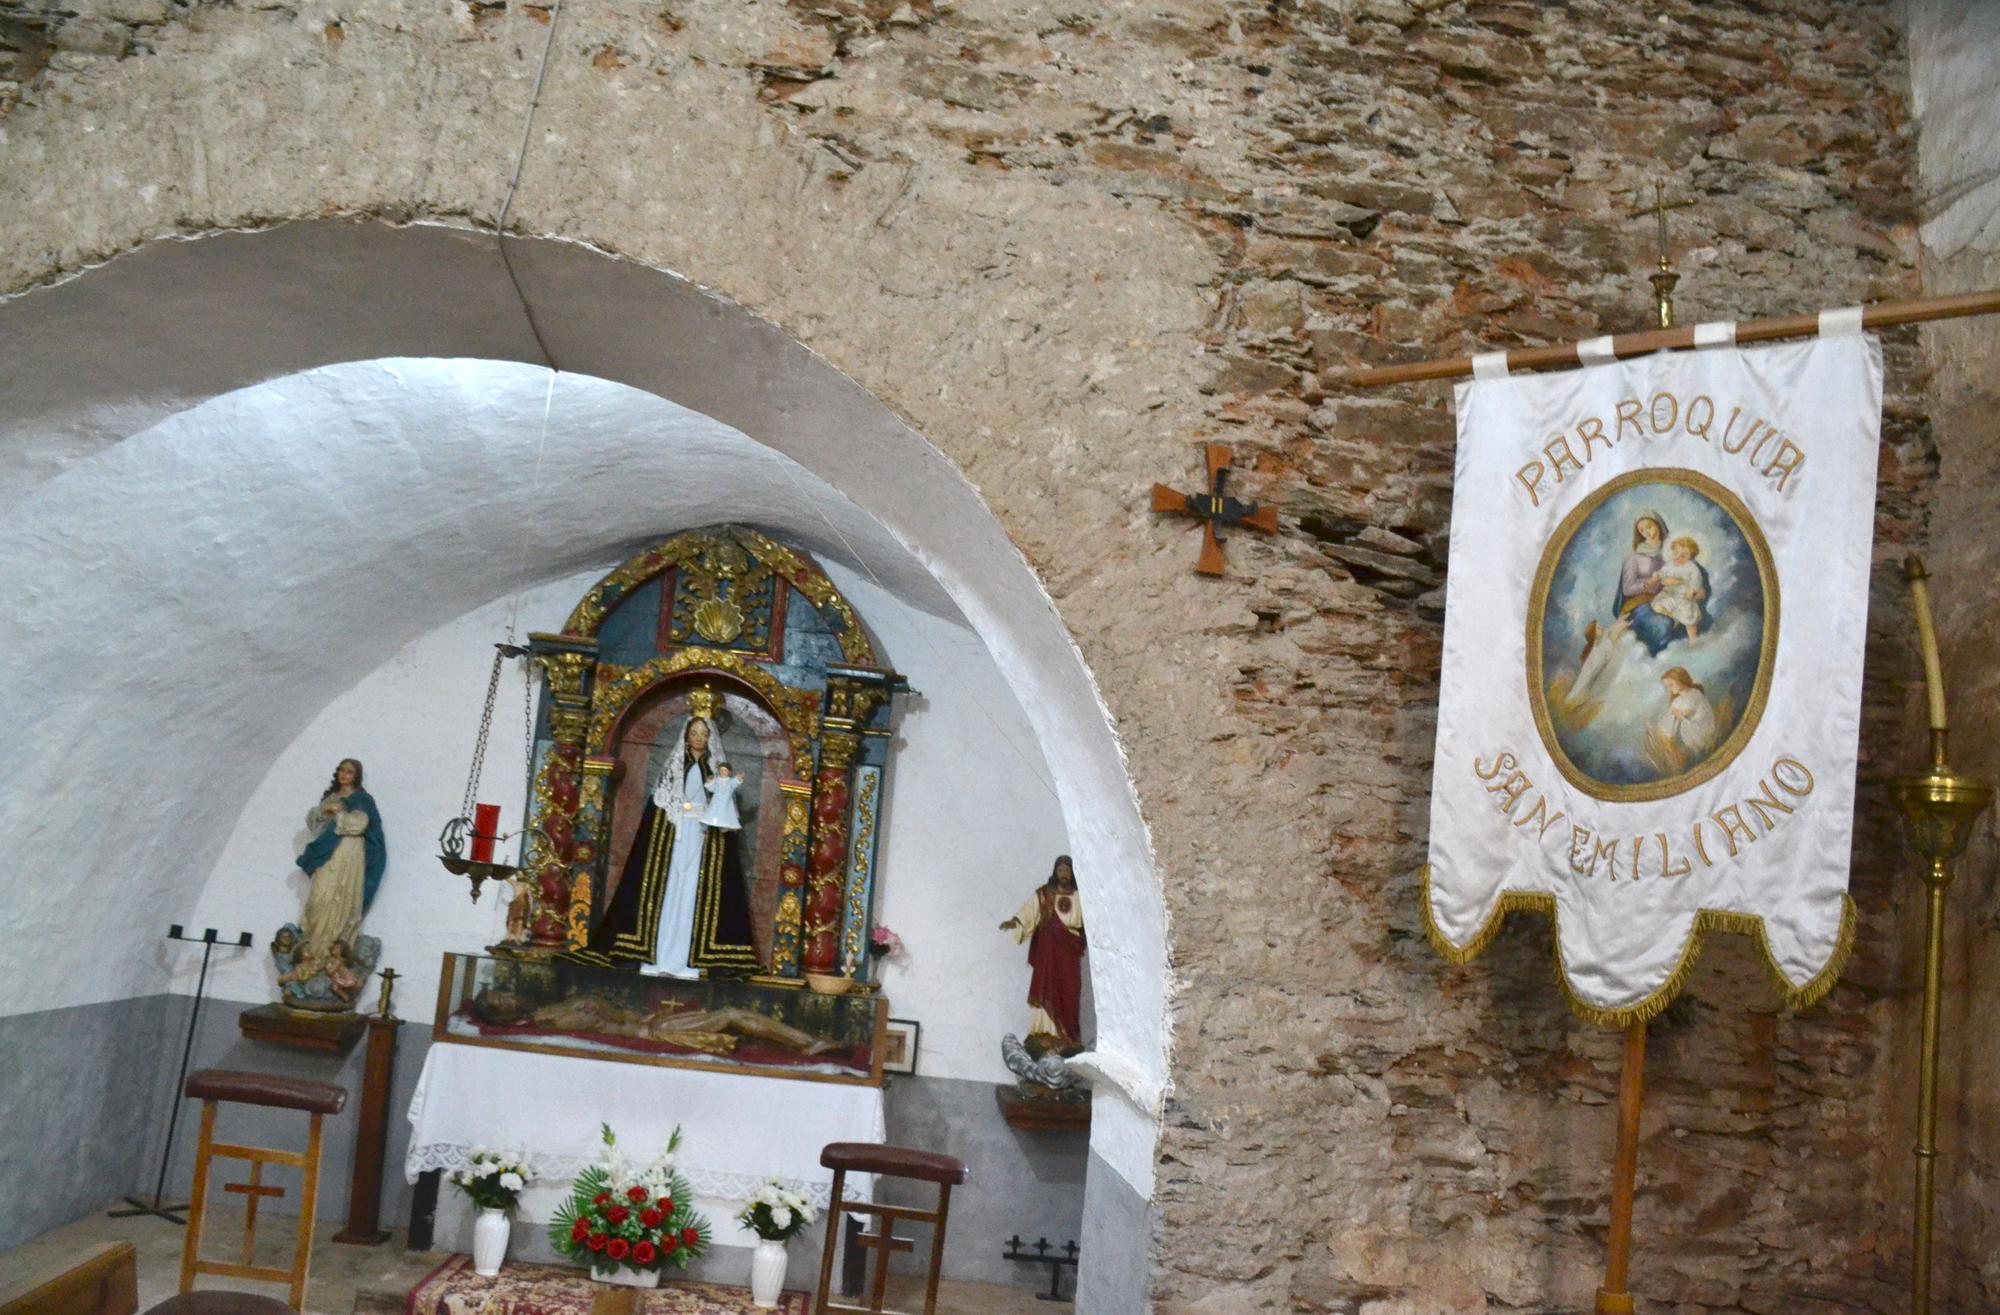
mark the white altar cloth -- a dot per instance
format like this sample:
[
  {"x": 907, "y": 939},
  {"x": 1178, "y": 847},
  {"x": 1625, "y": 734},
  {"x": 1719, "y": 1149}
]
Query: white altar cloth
[{"x": 738, "y": 1132}]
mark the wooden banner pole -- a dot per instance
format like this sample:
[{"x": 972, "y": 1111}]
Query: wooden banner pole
[
  {"x": 1612, "y": 1298},
  {"x": 1883, "y": 315}
]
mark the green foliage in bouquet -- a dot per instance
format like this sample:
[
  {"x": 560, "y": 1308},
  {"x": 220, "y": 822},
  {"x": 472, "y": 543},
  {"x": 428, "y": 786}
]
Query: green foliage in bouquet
[
  {"x": 494, "y": 1179},
  {"x": 641, "y": 1217}
]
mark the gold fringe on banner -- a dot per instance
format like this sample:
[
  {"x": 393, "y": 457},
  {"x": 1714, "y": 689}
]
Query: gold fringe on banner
[{"x": 1705, "y": 921}]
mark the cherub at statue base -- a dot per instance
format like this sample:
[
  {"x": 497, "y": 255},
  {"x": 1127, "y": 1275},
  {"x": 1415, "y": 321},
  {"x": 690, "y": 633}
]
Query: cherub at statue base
[{"x": 326, "y": 983}]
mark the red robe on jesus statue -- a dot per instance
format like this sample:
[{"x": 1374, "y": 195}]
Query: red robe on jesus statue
[{"x": 1051, "y": 923}]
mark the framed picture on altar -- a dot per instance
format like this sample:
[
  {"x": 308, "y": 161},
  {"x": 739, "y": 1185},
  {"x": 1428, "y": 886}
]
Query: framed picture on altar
[{"x": 899, "y": 1045}]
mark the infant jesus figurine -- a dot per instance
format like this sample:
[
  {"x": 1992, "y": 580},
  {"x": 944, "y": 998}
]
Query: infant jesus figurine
[
  {"x": 721, "y": 812},
  {"x": 1681, "y": 593}
]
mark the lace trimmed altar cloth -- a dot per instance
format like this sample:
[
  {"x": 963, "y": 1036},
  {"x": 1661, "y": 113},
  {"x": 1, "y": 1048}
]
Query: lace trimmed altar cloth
[{"x": 738, "y": 1131}]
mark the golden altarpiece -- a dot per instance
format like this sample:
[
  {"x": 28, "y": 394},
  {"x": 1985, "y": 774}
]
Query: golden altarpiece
[{"x": 731, "y": 626}]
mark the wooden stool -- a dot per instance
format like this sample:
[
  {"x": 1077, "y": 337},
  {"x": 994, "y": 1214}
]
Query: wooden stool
[
  {"x": 891, "y": 1162},
  {"x": 319, "y": 1099}
]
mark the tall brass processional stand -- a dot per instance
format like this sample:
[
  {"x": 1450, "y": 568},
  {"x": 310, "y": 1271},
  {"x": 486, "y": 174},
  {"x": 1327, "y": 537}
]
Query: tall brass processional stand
[{"x": 1938, "y": 810}]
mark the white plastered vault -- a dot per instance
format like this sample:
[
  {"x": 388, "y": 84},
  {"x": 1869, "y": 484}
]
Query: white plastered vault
[{"x": 177, "y": 606}]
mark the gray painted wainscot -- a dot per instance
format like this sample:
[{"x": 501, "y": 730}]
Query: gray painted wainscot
[{"x": 76, "y": 1095}]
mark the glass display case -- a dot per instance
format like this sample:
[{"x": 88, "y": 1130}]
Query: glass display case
[{"x": 736, "y": 1025}]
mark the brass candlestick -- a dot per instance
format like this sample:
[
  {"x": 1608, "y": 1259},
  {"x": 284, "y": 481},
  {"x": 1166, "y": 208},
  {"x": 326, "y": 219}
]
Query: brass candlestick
[{"x": 1938, "y": 810}]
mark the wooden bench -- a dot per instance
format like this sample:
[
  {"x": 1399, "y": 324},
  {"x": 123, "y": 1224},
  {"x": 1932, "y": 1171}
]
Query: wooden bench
[{"x": 104, "y": 1282}]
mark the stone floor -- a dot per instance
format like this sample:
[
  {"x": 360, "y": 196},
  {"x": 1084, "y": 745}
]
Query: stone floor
[{"x": 352, "y": 1280}]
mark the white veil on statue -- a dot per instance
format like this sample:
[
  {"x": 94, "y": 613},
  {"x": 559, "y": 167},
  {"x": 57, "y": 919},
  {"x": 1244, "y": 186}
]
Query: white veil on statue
[{"x": 670, "y": 790}]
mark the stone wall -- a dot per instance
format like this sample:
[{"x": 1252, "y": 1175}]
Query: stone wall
[{"x": 1068, "y": 242}]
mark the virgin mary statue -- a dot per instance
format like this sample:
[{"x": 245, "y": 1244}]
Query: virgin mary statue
[
  {"x": 344, "y": 858},
  {"x": 680, "y": 905}
]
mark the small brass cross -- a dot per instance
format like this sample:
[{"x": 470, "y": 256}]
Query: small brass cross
[{"x": 1663, "y": 279}]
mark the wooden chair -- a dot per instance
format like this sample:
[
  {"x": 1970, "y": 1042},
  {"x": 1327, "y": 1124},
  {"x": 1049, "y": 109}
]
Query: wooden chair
[
  {"x": 104, "y": 1282},
  {"x": 319, "y": 1099},
  {"x": 844, "y": 1157},
  {"x": 221, "y": 1303}
]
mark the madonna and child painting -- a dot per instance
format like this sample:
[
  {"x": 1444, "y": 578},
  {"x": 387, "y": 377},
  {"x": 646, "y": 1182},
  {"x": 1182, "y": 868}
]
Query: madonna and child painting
[{"x": 1652, "y": 628}]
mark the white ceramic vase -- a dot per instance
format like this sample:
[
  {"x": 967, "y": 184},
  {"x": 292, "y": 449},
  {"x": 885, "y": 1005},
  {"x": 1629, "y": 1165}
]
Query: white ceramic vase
[
  {"x": 624, "y": 1277},
  {"x": 489, "y": 1241},
  {"x": 767, "y": 1273}
]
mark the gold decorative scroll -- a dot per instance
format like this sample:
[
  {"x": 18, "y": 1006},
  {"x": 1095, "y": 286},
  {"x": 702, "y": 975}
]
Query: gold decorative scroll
[
  {"x": 861, "y": 857},
  {"x": 712, "y": 554},
  {"x": 617, "y": 688}
]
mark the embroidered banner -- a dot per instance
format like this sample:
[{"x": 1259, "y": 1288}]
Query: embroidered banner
[{"x": 1652, "y": 663}]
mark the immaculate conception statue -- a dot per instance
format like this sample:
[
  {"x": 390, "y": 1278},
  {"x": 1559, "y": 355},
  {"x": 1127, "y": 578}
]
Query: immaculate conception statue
[
  {"x": 680, "y": 905},
  {"x": 322, "y": 959},
  {"x": 344, "y": 858}
]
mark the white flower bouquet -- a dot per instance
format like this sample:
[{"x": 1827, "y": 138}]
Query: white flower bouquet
[
  {"x": 776, "y": 1214},
  {"x": 494, "y": 1179}
]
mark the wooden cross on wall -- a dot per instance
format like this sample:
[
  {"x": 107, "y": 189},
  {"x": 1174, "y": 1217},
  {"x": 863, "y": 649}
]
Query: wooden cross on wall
[{"x": 1215, "y": 509}]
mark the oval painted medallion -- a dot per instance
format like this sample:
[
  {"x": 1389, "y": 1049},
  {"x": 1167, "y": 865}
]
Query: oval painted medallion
[{"x": 1652, "y": 630}]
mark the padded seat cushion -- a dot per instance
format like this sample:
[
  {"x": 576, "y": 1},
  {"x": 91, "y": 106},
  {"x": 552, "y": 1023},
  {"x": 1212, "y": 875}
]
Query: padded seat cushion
[
  {"x": 221, "y": 1303},
  {"x": 896, "y": 1161},
  {"x": 266, "y": 1089}
]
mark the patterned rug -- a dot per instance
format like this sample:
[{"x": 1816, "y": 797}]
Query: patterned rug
[{"x": 524, "y": 1289}]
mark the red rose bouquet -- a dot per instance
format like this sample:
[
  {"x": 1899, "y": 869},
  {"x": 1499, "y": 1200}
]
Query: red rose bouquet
[{"x": 638, "y": 1216}]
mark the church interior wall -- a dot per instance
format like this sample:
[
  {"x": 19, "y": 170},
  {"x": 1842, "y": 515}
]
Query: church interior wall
[
  {"x": 1106, "y": 234},
  {"x": 954, "y": 860},
  {"x": 1955, "y": 66},
  {"x": 112, "y": 474},
  {"x": 1029, "y": 1184},
  {"x": 942, "y": 545}
]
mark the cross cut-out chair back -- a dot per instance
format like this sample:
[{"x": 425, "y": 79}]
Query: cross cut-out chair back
[
  {"x": 319, "y": 1099},
  {"x": 885, "y": 1162}
]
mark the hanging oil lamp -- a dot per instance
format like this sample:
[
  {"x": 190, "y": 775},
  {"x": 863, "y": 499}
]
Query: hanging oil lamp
[{"x": 477, "y": 822}]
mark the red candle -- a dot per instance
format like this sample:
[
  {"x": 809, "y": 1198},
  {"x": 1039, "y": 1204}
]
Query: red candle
[{"x": 485, "y": 827}]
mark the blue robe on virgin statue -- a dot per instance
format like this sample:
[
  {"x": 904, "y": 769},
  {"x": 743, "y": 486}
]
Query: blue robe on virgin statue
[{"x": 375, "y": 853}]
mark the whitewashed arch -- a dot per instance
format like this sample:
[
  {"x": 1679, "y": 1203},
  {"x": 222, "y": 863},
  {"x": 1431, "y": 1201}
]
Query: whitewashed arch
[{"x": 100, "y": 769}]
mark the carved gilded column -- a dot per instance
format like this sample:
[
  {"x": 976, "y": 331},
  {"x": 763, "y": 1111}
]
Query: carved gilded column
[
  {"x": 838, "y": 891},
  {"x": 826, "y": 873},
  {"x": 586, "y": 843},
  {"x": 857, "y": 916},
  {"x": 568, "y": 662},
  {"x": 788, "y": 929}
]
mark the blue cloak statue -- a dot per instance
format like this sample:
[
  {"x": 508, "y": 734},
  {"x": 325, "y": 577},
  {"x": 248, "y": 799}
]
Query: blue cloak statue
[{"x": 375, "y": 852}]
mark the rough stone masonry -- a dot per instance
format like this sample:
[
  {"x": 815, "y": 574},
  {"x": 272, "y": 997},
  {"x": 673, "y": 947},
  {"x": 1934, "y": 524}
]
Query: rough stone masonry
[{"x": 1070, "y": 240}]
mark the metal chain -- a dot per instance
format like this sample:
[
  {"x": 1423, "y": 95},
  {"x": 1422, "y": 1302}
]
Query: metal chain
[
  {"x": 479, "y": 749},
  {"x": 528, "y": 706}
]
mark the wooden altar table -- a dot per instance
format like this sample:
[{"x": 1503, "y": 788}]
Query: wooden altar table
[{"x": 738, "y": 1131}]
